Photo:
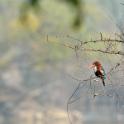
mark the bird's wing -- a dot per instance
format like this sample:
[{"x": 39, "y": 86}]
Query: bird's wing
[{"x": 103, "y": 72}]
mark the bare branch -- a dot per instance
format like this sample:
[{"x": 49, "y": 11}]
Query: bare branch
[
  {"x": 120, "y": 40},
  {"x": 103, "y": 51}
]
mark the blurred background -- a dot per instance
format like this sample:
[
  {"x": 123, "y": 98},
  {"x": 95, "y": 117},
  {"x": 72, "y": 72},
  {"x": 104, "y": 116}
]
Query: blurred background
[{"x": 36, "y": 69}]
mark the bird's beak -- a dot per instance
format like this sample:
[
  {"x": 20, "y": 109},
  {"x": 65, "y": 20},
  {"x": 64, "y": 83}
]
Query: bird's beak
[{"x": 91, "y": 66}]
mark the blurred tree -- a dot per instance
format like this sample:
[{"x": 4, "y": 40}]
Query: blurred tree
[
  {"x": 77, "y": 5},
  {"x": 29, "y": 14},
  {"x": 35, "y": 4}
]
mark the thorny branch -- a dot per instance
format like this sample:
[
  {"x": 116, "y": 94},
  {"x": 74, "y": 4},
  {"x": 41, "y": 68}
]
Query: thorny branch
[
  {"x": 82, "y": 44},
  {"x": 101, "y": 40},
  {"x": 104, "y": 51},
  {"x": 120, "y": 40}
]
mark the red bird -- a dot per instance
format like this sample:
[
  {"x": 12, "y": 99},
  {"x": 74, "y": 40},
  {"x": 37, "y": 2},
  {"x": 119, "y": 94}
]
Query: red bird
[{"x": 99, "y": 71}]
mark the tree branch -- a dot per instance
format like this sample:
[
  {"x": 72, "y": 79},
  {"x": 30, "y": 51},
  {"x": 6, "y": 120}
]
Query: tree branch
[
  {"x": 103, "y": 51},
  {"x": 97, "y": 40}
]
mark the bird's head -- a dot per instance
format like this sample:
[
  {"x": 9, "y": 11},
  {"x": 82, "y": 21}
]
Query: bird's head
[{"x": 96, "y": 65}]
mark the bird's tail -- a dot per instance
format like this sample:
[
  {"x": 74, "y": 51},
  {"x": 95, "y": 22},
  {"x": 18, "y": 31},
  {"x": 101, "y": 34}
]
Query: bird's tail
[{"x": 103, "y": 82}]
